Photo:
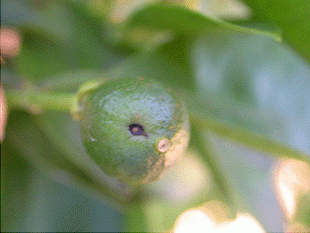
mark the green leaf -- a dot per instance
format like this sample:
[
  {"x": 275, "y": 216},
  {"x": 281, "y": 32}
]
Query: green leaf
[
  {"x": 256, "y": 84},
  {"x": 16, "y": 176},
  {"x": 52, "y": 152},
  {"x": 135, "y": 219},
  {"x": 182, "y": 20},
  {"x": 169, "y": 64},
  {"x": 40, "y": 55},
  {"x": 302, "y": 214},
  {"x": 34, "y": 196},
  {"x": 15, "y": 12},
  {"x": 249, "y": 174},
  {"x": 226, "y": 192},
  {"x": 292, "y": 17},
  {"x": 75, "y": 40},
  {"x": 264, "y": 88}
]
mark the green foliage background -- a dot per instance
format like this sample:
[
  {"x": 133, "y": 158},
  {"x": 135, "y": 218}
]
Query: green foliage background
[{"x": 246, "y": 84}]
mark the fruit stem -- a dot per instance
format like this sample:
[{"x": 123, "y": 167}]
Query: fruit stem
[{"x": 36, "y": 101}]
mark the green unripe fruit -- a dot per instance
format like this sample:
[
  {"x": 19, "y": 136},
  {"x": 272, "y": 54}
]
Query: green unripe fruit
[{"x": 133, "y": 128}]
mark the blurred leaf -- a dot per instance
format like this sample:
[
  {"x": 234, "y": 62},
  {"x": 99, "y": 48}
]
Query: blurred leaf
[
  {"x": 57, "y": 208},
  {"x": 249, "y": 174},
  {"x": 15, "y": 180},
  {"x": 135, "y": 220},
  {"x": 169, "y": 64},
  {"x": 75, "y": 40},
  {"x": 24, "y": 141},
  {"x": 15, "y": 12},
  {"x": 43, "y": 19},
  {"x": 22, "y": 132},
  {"x": 90, "y": 38},
  {"x": 40, "y": 56},
  {"x": 257, "y": 83},
  {"x": 68, "y": 166},
  {"x": 292, "y": 17},
  {"x": 182, "y": 20},
  {"x": 31, "y": 201},
  {"x": 302, "y": 214},
  {"x": 225, "y": 191}
]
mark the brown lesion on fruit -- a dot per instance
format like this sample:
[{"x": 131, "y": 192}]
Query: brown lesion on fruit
[{"x": 163, "y": 145}]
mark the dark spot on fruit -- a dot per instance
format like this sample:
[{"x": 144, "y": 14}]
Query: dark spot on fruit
[{"x": 137, "y": 130}]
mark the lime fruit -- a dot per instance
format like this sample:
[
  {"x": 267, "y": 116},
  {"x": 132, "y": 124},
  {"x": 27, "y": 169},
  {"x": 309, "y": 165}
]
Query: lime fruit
[{"x": 133, "y": 128}]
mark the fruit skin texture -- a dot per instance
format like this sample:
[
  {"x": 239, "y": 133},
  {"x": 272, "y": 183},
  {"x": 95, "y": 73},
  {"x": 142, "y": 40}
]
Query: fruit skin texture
[{"x": 133, "y": 128}]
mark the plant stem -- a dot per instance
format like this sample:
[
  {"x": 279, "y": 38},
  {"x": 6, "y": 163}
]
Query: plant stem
[{"x": 37, "y": 101}]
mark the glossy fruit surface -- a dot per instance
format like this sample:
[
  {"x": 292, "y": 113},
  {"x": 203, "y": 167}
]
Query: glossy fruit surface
[{"x": 133, "y": 128}]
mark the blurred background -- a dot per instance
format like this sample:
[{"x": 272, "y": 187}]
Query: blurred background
[{"x": 233, "y": 74}]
